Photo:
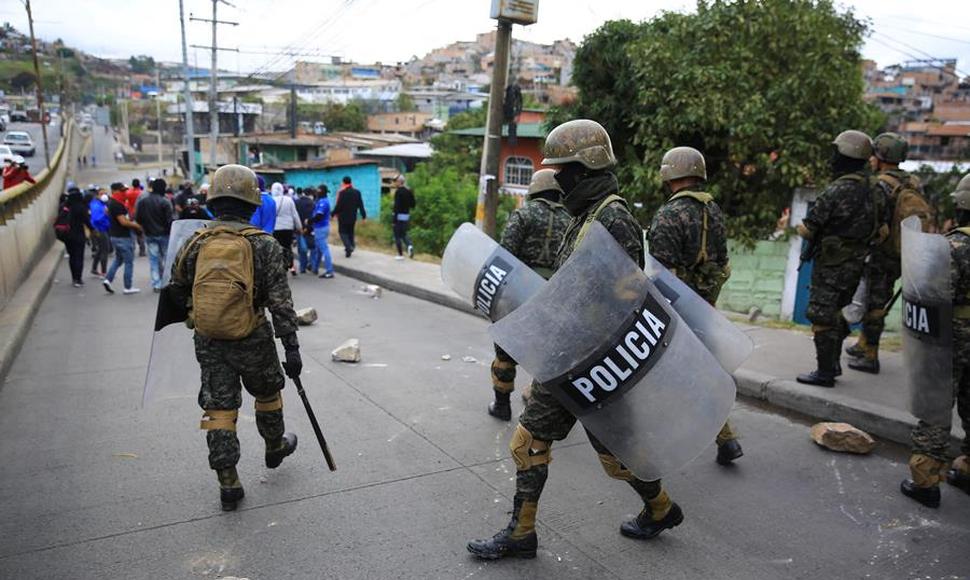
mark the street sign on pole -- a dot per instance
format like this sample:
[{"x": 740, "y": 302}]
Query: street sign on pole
[{"x": 522, "y": 12}]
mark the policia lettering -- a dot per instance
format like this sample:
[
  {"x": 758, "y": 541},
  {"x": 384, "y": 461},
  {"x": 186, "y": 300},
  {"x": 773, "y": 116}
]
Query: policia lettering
[
  {"x": 625, "y": 360},
  {"x": 921, "y": 319},
  {"x": 489, "y": 284}
]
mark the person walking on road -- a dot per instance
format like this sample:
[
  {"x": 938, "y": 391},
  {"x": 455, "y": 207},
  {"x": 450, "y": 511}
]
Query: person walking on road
[
  {"x": 100, "y": 223},
  {"x": 349, "y": 203},
  {"x": 287, "y": 223},
  {"x": 77, "y": 219},
  {"x": 321, "y": 231},
  {"x": 154, "y": 215},
  {"x": 121, "y": 231},
  {"x": 265, "y": 216},
  {"x": 239, "y": 348},
  {"x": 306, "y": 246},
  {"x": 131, "y": 204},
  {"x": 404, "y": 202}
]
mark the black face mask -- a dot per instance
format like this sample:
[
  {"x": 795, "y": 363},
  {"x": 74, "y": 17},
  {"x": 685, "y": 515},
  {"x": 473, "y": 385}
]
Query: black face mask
[
  {"x": 840, "y": 164},
  {"x": 569, "y": 177}
]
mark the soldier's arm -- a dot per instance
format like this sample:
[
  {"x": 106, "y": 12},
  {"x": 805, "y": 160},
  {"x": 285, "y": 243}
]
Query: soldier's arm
[
  {"x": 629, "y": 234},
  {"x": 514, "y": 233},
  {"x": 279, "y": 300},
  {"x": 666, "y": 241},
  {"x": 819, "y": 215}
]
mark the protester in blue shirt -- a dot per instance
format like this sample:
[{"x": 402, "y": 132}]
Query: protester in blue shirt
[
  {"x": 100, "y": 244},
  {"x": 321, "y": 231},
  {"x": 265, "y": 216}
]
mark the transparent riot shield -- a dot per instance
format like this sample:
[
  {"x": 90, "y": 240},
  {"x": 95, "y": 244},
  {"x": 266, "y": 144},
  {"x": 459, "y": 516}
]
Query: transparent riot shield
[
  {"x": 927, "y": 322},
  {"x": 728, "y": 343},
  {"x": 612, "y": 350},
  {"x": 481, "y": 271},
  {"x": 173, "y": 371}
]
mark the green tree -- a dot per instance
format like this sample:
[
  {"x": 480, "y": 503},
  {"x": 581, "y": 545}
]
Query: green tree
[
  {"x": 761, "y": 87},
  {"x": 460, "y": 152},
  {"x": 349, "y": 117},
  {"x": 142, "y": 64},
  {"x": 405, "y": 104}
]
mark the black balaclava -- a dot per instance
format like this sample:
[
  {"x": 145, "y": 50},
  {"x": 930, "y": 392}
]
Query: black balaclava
[
  {"x": 569, "y": 177},
  {"x": 962, "y": 217},
  {"x": 840, "y": 164},
  {"x": 232, "y": 207}
]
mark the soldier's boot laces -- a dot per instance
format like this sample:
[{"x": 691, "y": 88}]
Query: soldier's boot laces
[
  {"x": 517, "y": 540},
  {"x": 959, "y": 474},
  {"x": 283, "y": 448},
  {"x": 501, "y": 407},
  {"x": 646, "y": 525},
  {"x": 230, "y": 489},
  {"x": 728, "y": 451},
  {"x": 868, "y": 363},
  {"x": 924, "y": 486}
]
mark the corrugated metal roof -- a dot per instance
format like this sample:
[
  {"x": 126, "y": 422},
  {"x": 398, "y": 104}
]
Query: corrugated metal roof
[
  {"x": 524, "y": 130},
  {"x": 415, "y": 150},
  {"x": 318, "y": 164}
]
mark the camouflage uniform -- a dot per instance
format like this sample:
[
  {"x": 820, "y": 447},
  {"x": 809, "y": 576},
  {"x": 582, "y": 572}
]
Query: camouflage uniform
[
  {"x": 845, "y": 217},
  {"x": 689, "y": 238},
  {"x": 532, "y": 234},
  {"x": 251, "y": 360}
]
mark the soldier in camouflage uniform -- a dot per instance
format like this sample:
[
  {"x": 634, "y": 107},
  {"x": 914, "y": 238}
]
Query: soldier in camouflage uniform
[
  {"x": 582, "y": 154},
  {"x": 252, "y": 360},
  {"x": 688, "y": 237},
  {"x": 902, "y": 197},
  {"x": 532, "y": 234},
  {"x": 930, "y": 442},
  {"x": 847, "y": 217}
]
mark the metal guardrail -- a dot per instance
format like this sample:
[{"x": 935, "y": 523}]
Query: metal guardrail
[{"x": 19, "y": 197}]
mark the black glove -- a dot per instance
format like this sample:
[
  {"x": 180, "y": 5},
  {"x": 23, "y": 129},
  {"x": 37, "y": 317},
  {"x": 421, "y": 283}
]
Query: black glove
[{"x": 293, "y": 364}]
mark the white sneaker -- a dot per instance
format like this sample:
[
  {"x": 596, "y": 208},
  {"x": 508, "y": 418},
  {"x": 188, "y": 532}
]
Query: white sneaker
[
  {"x": 410, "y": 251},
  {"x": 398, "y": 257},
  {"x": 131, "y": 291},
  {"x": 107, "y": 286}
]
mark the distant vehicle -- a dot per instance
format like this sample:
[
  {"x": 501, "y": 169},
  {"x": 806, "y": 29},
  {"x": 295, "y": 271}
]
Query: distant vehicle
[
  {"x": 20, "y": 142},
  {"x": 18, "y": 117},
  {"x": 6, "y": 153}
]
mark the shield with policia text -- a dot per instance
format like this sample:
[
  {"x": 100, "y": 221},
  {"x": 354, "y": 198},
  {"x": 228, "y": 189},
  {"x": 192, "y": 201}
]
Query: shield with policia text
[
  {"x": 927, "y": 322},
  {"x": 614, "y": 352}
]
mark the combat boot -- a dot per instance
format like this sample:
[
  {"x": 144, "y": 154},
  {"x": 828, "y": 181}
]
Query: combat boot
[
  {"x": 230, "y": 489},
  {"x": 869, "y": 362},
  {"x": 728, "y": 451},
  {"x": 928, "y": 496},
  {"x": 517, "y": 540},
  {"x": 827, "y": 355},
  {"x": 924, "y": 486},
  {"x": 959, "y": 474},
  {"x": 857, "y": 350},
  {"x": 501, "y": 407},
  {"x": 645, "y": 526},
  {"x": 280, "y": 449}
]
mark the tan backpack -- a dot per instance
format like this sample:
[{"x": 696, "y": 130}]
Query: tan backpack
[
  {"x": 222, "y": 291},
  {"x": 909, "y": 202}
]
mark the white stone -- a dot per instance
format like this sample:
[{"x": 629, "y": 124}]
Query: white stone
[
  {"x": 306, "y": 316},
  {"x": 349, "y": 351}
]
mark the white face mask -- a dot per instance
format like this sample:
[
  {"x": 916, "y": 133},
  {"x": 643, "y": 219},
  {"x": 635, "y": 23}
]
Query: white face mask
[{"x": 104, "y": 198}]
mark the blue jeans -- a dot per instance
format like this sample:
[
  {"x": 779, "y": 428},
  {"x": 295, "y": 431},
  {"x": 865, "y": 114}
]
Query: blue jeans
[
  {"x": 157, "y": 246},
  {"x": 323, "y": 249},
  {"x": 124, "y": 254},
  {"x": 308, "y": 256}
]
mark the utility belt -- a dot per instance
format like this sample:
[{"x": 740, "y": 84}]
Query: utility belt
[{"x": 835, "y": 250}]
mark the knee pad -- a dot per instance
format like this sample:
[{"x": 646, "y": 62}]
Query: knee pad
[
  {"x": 218, "y": 419},
  {"x": 528, "y": 451},
  {"x": 613, "y": 467},
  {"x": 275, "y": 403},
  {"x": 503, "y": 375}
]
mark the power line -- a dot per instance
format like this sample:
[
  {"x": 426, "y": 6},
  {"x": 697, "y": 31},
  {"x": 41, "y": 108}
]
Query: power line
[
  {"x": 921, "y": 33},
  {"x": 914, "y": 57}
]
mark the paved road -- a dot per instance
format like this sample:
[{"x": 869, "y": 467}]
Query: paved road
[
  {"x": 37, "y": 163},
  {"x": 93, "y": 486}
]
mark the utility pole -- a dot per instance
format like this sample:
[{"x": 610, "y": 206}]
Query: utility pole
[
  {"x": 488, "y": 180},
  {"x": 189, "y": 108},
  {"x": 158, "y": 112},
  {"x": 37, "y": 84},
  {"x": 214, "y": 80}
]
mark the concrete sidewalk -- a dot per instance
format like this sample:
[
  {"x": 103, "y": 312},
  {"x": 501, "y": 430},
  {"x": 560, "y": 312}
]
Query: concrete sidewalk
[{"x": 878, "y": 404}]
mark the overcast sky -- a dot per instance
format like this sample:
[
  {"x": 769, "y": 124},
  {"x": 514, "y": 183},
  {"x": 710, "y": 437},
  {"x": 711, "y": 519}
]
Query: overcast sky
[{"x": 393, "y": 30}]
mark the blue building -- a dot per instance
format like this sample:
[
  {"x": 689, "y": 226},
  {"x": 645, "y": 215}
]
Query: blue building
[{"x": 364, "y": 174}]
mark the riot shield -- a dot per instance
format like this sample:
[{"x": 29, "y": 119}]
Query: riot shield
[
  {"x": 173, "y": 371},
  {"x": 927, "y": 322},
  {"x": 728, "y": 343},
  {"x": 615, "y": 353},
  {"x": 481, "y": 271}
]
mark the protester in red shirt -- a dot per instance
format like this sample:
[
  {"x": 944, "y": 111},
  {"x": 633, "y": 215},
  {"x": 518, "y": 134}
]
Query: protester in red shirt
[
  {"x": 15, "y": 172},
  {"x": 131, "y": 196}
]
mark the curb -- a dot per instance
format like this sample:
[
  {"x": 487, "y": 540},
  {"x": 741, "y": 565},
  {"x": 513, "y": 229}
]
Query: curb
[
  {"x": 18, "y": 314},
  {"x": 879, "y": 420}
]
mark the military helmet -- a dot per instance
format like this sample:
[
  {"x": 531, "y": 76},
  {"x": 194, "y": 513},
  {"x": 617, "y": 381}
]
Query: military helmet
[
  {"x": 890, "y": 147},
  {"x": 579, "y": 141},
  {"x": 682, "y": 162},
  {"x": 854, "y": 144},
  {"x": 235, "y": 181},
  {"x": 544, "y": 180},
  {"x": 961, "y": 197}
]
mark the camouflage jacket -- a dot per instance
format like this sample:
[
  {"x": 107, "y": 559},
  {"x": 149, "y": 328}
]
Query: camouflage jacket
[
  {"x": 960, "y": 283},
  {"x": 846, "y": 217},
  {"x": 615, "y": 217},
  {"x": 272, "y": 290},
  {"x": 678, "y": 240},
  {"x": 534, "y": 232}
]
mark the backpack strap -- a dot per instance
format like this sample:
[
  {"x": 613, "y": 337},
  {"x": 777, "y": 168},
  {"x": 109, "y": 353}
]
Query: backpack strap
[
  {"x": 964, "y": 230},
  {"x": 595, "y": 213},
  {"x": 704, "y": 199},
  {"x": 546, "y": 255}
]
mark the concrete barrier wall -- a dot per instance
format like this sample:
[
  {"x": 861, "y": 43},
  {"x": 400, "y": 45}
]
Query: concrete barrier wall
[{"x": 27, "y": 212}]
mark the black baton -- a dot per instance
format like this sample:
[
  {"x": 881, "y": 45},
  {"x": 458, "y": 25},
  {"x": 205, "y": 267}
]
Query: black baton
[
  {"x": 892, "y": 301},
  {"x": 316, "y": 425}
]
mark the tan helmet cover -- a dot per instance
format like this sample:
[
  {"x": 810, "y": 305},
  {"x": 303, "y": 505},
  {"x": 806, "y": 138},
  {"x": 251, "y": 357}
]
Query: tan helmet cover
[
  {"x": 854, "y": 144},
  {"x": 961, "y": 197},
  {"x": 235, "y": 181},
  {"x": 579, "y": 141},
  {"x": 682, "y": 162},
  {"x": 544, "y": 180}
]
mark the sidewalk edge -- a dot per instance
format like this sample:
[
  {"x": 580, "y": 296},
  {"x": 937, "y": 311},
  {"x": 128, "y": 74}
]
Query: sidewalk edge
[{"x": 18, "y": 314}]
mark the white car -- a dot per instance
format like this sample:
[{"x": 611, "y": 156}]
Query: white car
[
  {"x": 5, "y": 153},
  {"x": 20, "y": 142}
]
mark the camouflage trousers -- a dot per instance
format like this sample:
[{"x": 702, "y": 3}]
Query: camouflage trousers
[
  {"x": 503, "y": 371},
  {"x": 225, "y": 364},
  {"x": 934, "y": 440},
  {"x": 832, "y": 289},
  {"x": 547, "y": 420},
  {"x": 881, "y": 273}
]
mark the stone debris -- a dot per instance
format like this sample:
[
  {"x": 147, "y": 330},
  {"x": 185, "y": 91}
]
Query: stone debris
[
  {"x": 372, "y": 290},
  {"x": 469, "y": 359},
  {"x": 446, "y": 357},
  {"x": 842, "y": 437},
  {"x": 306, "y": 316},
  {"x": 349, "y": 351},
  {"x": 754, "y": 313}
]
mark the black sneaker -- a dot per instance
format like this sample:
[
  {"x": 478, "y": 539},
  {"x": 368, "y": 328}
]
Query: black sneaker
[
  {"x": 644, "y": 528},
  {"x": 928, "y": 496},
  {"x": 287, "y": 447},
  {"x": 327, "y": 275}
]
